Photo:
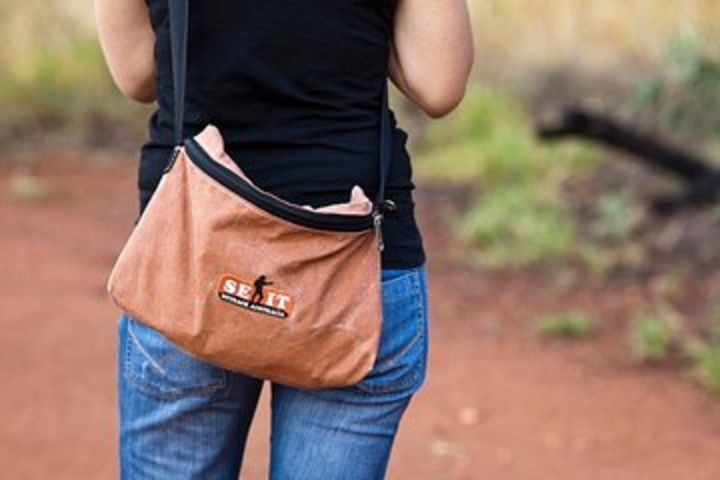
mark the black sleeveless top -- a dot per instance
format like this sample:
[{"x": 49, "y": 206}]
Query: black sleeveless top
[{"x": 295, "y": 89}]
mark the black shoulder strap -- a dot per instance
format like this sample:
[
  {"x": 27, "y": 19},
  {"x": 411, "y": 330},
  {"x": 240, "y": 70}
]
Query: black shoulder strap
[
  {"x": 178, "y": 11},
  {"x": 385, "y": 146},
  {"x": 178, "y": 14}
]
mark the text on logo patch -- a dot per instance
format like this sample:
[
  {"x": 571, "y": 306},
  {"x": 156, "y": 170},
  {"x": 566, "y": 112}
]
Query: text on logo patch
[{"x": 257, "y": 296}]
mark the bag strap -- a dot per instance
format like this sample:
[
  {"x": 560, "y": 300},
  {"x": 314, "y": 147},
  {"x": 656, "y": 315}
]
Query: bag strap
[
  {"x": 178, "y": 14},
  {"x": 178, "y": 11}
]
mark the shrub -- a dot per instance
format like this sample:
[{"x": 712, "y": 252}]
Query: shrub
[
  {"x": 705, "y": 362},
  {"x": 518, "y": 226},
  {"x": 566, "y": 325},
  {"x": 520, "y": 218},
  {"x": 650, "y": 338}
]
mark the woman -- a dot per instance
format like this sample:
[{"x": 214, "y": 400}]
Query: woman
[{"x": 295, "y": 89}]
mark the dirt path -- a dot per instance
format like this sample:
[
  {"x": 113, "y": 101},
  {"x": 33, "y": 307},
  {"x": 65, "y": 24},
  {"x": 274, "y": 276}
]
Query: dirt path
[{"x": 499, "y": 403}]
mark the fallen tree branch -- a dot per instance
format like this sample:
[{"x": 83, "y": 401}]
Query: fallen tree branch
[{"x": 703, "y": 180}]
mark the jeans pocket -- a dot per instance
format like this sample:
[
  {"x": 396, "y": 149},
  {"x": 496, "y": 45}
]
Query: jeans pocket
[
  {"x": 156, "y": 366},
  {"x": 400, "y": 364}
]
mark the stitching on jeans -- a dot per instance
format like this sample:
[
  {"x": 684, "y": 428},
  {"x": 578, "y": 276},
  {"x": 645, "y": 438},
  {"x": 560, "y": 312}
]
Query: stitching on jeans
[
  {"x": 175, "y": 392},
  {"x": 168, "y": 392},
  {"x": 127, "y": 370},
  {"x": 413, "y": 375},
  {"x": 421, "y": 319},
  {"x": 145, "y": 353},
  {"x": 417, "y": 297},
  {"x": 404, "y": 276}
]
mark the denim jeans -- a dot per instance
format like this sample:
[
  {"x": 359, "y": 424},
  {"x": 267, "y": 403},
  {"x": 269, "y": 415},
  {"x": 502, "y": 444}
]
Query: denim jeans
[{"x": 181, "y": 418}]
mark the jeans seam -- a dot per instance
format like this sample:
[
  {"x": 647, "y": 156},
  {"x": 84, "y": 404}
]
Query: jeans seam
[
  {"x": 412, "y": 273},
  {"x": 142, "y": 350},
  {"x": 417, "y": 296},
  {"x": 171, "y": 393},
  {"x": 419, "y": 337}
]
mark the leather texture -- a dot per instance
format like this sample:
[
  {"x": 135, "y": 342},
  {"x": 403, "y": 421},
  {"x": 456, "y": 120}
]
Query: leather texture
[{"x": 243, "y": 289}]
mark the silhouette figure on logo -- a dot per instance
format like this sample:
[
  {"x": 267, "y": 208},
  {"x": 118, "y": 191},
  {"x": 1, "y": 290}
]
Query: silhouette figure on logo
[{"x": 260, "y": 283}]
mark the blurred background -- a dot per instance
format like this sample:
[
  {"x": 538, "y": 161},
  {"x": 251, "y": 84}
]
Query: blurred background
[{"x": 569, "y": 210}]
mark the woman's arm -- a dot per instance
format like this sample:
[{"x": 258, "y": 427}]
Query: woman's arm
[
  {"x": 127, "y": 40},
  {"x": 432, "y": 53}
]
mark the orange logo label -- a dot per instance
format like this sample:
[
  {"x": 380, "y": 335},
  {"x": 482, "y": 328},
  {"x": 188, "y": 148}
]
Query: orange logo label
[{"x": 258, "y": 296}]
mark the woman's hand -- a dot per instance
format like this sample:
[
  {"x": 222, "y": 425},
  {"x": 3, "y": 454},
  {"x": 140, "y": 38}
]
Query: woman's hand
[
  {"x": 127, "y": 40},
  {"x": 432, "y": 53}
]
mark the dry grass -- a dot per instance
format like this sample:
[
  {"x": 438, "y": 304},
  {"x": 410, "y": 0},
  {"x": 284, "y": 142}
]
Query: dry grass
[
  {"x": 539, "y": 31},
  {"x": 517, "y": 35},
  {"x": 512, "y": 36},
  {"x": 33, "y": 27},
  {"x": 48, "y": 50}
]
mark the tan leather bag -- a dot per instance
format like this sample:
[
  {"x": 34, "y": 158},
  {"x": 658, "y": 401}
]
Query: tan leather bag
[{"x": 242, "y": 279}]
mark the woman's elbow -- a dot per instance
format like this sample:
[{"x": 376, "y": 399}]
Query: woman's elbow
[
  {"x": 136, "y": 86},
  {"x": 139, "y": 92},
  {"x": 438, "y": 91},
  {"x": 440, "y": 97},
  {"x": 440, "y": 101}
]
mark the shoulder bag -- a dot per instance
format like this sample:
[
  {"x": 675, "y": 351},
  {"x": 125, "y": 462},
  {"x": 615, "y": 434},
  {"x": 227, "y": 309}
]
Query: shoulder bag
[{"x": 245, "y": 280}]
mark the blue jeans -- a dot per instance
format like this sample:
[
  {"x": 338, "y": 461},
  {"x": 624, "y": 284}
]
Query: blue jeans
[{"x": 181, "y": 418}]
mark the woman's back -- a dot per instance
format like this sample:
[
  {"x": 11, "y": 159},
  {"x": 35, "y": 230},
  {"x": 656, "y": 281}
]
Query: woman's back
[{"x": 294, "y": 87}]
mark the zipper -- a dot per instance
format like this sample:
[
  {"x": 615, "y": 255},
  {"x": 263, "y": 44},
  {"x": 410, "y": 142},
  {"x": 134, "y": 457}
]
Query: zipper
[
  {"x": 298, "y": 215},
  {"x": 173, "y": 157},
  {"x": 377, "y": 224}
]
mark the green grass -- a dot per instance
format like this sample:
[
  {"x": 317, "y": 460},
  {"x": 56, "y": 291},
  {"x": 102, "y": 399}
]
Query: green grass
[
  {"x": 650, "y": 338},
  {"x": 518, "y": 226},
  {"x": 490, "y": 139},
  {"x": 569, "y": 325},
  {"x": 676, "y": 96},
  {"x": 616, "y": 217},
  {"x": 521, "y": 218},
  {"x": 66, "y": 88},
  {"x": 705, "y": 364}
]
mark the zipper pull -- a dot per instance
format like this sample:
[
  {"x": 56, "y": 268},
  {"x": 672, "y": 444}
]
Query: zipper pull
[
  {"x": 173, "y": 157},
  {"x": 386, "y": 206},
  {"x": 377, "y": 223}
]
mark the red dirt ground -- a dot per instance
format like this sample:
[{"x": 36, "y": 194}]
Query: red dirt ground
[{"x": 499, "y": 403}]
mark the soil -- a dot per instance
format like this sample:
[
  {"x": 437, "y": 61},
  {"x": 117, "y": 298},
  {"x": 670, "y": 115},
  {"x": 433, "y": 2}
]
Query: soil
[{"x": 499, "y": 402}]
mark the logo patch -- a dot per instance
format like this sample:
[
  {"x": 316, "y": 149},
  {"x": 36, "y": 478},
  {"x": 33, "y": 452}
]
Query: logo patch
[{"x": 257, "y": 296}]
